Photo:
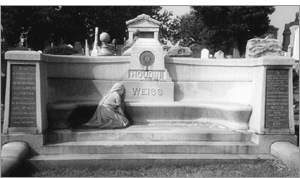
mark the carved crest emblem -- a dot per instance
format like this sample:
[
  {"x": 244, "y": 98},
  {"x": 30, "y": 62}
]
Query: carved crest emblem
[{"x": 147, "y": 58}]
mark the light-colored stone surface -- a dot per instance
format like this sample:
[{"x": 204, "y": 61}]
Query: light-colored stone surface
[
  {"x": 231, "y": 116},
  {"x": 204, "y": 54},
  {"x": 258, "y": 47},
  {"x": 187, "y": 132},
  {"x": 287, "y": 152},
  {"x": 219, "y": 55},
  {"x": 12, "y": 155},
  {"x": 25, "y": 58},
  {"x": 149, "y": 91},
  {"x": 153, "y": 48},
  {"x": 180, "y": 52},
  {"x": 19, "y": 150},
  {"x": 296, "y": 45},
  {"x": 143, "y": 23},
  {"x": 35, "y": 141},
  {"x": 219, "y": 80},
  {"x": 23, "y": 55},
  {"x": 234, "y": 116}
]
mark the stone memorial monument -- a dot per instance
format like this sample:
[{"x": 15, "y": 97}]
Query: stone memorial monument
[
  {"x": 147, "y": 78},
  {"x": 232, "y": 108}
]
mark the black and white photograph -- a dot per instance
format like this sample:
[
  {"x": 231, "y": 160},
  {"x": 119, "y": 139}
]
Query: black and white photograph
[{"x": 149, "y": 90}]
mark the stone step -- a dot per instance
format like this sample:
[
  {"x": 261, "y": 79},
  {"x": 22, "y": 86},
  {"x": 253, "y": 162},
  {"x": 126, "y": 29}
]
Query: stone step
[
  {"x": 150, "y": 147},
  {"x": 43, "y": 162},
  {"x": 149, "y": 133}
]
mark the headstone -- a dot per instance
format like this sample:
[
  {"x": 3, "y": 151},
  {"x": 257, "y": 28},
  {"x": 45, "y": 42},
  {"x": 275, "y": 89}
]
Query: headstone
[
  {"x": 258, "y": 47},
  {"x": 78, "y": 46},
  {"x": 236, "y": 53},
  {"x": 219, "y": 55},
  {"x": 204, "y": 54},
  {"x": 179, "y": 52},
  {"x": 119, "y": 50},
  {"x": 147, "y": 79},
  {"x": 196, "y": 49},
  {"x": 95, "y": 51}
]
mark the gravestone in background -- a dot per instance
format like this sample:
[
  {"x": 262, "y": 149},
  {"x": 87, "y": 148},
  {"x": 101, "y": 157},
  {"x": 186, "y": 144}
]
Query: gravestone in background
[
  {"x": 179, "y": 52},
  {"x": 204, "y": 54},
  {"x": 219, "y": 55},
  {"x": 196, "y": 49}
]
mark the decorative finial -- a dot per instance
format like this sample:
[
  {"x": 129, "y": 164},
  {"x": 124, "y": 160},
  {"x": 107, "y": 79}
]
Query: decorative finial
[{"x": 104, "y": 51}]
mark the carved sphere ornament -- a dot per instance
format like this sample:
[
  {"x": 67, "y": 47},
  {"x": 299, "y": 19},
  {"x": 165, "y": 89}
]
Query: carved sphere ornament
[
  {"x": 147, "y": 58},
  {"x": 104, "y": 37}
]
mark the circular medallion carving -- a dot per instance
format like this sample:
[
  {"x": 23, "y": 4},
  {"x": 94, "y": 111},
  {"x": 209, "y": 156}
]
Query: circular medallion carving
[{"x": 147, "y": 58}]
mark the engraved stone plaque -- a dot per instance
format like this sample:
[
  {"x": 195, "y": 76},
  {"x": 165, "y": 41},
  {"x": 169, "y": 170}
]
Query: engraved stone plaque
[
  {"x": 277, "y": 99},
  {"x": 23, "y": 96}
]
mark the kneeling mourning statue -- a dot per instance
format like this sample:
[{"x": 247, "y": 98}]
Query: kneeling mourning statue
[{"x": 109, "y": 113}]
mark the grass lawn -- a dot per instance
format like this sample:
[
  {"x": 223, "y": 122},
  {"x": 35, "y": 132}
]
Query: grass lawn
[{"x": 252, "y": 168}]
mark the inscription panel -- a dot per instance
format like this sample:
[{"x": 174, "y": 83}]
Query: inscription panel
[
  {"x": 277, "y": 99},
  {"x": 23, "y": 96},
  {"x": 147, "y": 74}
]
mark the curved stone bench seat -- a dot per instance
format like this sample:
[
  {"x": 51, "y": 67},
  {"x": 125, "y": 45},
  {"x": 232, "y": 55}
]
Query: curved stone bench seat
[{"x": 233, "y": 116}]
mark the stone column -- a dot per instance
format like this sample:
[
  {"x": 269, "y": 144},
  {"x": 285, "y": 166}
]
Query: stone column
[{"x": 26, "y": 93}]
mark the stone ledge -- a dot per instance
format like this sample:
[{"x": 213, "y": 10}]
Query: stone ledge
[{"x": 240, "y": 62}]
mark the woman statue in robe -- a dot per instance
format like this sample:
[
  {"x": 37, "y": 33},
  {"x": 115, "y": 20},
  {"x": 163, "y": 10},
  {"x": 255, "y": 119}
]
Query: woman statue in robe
[{"x": 109, "y": 113}]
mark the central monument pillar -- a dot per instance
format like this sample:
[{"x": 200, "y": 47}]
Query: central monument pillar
[{"x": 147, "y": 79}]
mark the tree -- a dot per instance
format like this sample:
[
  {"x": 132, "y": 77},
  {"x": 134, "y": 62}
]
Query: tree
[
  {"x": 188, "y": 30},
  {"x": 228, "y": 25},
  {"x": 45, "y": 24}
]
